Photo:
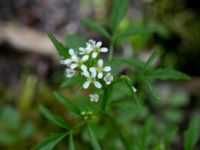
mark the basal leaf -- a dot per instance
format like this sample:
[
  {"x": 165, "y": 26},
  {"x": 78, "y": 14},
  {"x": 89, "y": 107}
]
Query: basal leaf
[
  {"x": 96, "y": 27},
  {"x": 119, "y": 9},
  {"x": 62, "y": 50},
  {"x": 50, "y": 142},
  {"x": 67, "y": 103},
  {"x": 53, "y": 118},
  {"x": 93, "y": 139}
]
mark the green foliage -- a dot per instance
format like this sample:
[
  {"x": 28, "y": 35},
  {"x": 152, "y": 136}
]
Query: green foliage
[
  {"x": 67, "y": 103},
  {"x": 119, "y": 9},
  {"x": 93, "y": 139},
  {"x": 62, "y": 50},
  {"x": 50, "y": 142},
  {"x": 53, "y": 118},
  {"x": 117, "y": 110},
  {"x": 12, "y": 130},
  {"x": 96, "y": 27},
  {"x": 71, "y": 142},
  {"x": 75, "y": 41},
  {"x": 191, "y": 135}
]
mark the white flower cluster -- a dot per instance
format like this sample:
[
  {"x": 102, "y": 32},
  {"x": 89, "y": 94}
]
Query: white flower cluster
[{"x": 86, "y": 62}]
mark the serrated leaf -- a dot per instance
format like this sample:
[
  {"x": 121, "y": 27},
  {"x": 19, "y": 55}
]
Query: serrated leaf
[
  {"x": 119, "y": 9},
  {"x": 71, "y": 142},
  {"x": 130, "y": 32},
  {"x": 96, "y": 27},
  {"x": 53, "y": 118},
  {"x": 93, "y": 139},
  {"x": 151, "y": 58},
  {"x": 75, "y": 41},
  {"x": 50, "y": 142},
  {"x": 62, "y": 50},
  {"x": 191, "y": 135},
  {"x": 71, "y": 81},
  {"x": 133, "y": 62},
  {"x": 166, "y": 73},
  {"x": 67, "y": 103}
]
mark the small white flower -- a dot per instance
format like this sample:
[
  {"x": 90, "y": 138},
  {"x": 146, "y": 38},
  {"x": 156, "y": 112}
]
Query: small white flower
[
  {"x": 91, "y": 78},
  {"x": 70, "y": 72},
  {"x": 94, "y": 97},
  {"x": 96, "y": 46},
  {"x": 75, "y": 60},
  {"x": 108, "y": 78},
  {"x": 100, "y": 69}
]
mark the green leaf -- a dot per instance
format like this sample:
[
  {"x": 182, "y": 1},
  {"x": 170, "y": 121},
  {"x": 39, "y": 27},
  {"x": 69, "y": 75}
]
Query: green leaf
[
  {"x": 10, "y": 117},
  {"x": 119, "y": 9},
  {"x": 71, "y": 81},
  {"x": 150, "y": 89},
  {"x": 130, "y": 32},
  {"x": 191, "y": 135},
  {"x": 75, "y": 41},
  {"x": 96, "y": 27},
  {"x": 62, "y": 50},
  {"x": 7, "y": 138},
  {"x": 93, "y": 139},
  {"x": 165, "y": 74},
  {"x": 67, "y": 103},
  {"x": 150, "y": 60},
  {"x": 50, "y": 142},
  {"x": 53, "y": 118},
  {"x": 26, "y": 130},
  {"x": 133, "y": 62},
  {"x": 71, "y": 142},
  {"x": 169, "y": 136},
  {"x": 130, "y": 87}
]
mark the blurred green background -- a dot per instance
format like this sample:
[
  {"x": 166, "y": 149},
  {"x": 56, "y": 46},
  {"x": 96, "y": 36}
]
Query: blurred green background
[{"x": 30, "y": 69}]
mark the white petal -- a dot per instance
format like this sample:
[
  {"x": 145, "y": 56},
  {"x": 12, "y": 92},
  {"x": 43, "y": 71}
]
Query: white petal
[
  {"x": 107, "y": 68},
  {"x": 73, "y": 66},
  {"x": 85, "y": 57},
  {"x": 81, "y": 49},
  {"x": 100, "y": 75},
  {"x": 94, "y": 72},
  {"x": 99, "y": 44},
  {"x": 75, "y": 58},
  {"x": 92, "y": 69},
  {"x": 83, "y": 67},
  {"x": 100, "y": 62},
  {"x": 103, "y": 49},
  {"x": 71, "y": 52},
  {"x": 97, "y": 84},
  {"x": 66, "y": 61},
  {"x": 86, "y": 84},
  {"x": 94, "y": 54}
]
